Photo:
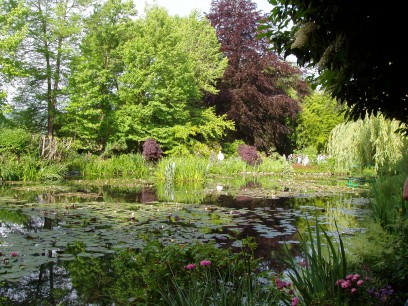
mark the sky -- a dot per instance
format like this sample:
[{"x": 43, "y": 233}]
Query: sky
[{"x": 185, "y": 7}]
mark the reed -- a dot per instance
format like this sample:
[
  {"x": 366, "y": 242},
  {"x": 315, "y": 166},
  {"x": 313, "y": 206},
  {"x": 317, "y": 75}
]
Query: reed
[
  {"x": 126, "y": 165},
  {"x": 182, "y": 169},
  {"x": 324, "y": 263}
]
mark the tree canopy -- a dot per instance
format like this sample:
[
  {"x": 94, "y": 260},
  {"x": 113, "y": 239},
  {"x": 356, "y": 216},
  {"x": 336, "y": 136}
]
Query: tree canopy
[
  {"x": 140, "y": 78},
  {"x": 356, "y": 47},
  {"x": 319, "y": 116},
  {"x": 258, "y": 91}
]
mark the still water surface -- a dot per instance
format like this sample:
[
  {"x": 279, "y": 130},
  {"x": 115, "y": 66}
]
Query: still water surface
[{"x": 38, "y": 222}]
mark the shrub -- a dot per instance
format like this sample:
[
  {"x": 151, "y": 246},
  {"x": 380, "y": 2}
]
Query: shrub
[
  {"x": 14, "y": 140},
  {"x": 249, "y": 155},
  {"x": 152, "y": 150}
]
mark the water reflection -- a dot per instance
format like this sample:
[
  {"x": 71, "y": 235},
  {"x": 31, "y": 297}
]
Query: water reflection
[{"x": 40, "y": 219}]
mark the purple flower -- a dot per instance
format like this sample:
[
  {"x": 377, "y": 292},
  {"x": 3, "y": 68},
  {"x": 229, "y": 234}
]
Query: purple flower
[
  {"x": 295, "y": 301},
  {"x": 205, "y": 263},
  {"x": 190, "y": 266}
]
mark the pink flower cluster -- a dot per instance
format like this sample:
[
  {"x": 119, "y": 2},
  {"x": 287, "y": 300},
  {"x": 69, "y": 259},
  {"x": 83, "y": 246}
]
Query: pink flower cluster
[
  {"x": 203, "y": 263},
  {"x": 282, "y": 285},
  {"x": 352, "y": 282}
]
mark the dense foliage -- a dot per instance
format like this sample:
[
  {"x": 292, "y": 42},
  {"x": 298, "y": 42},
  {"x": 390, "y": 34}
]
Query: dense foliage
[
  {"x": 151, "y": 150},
  {"x": 249, "y": 154},
  {"x": 371, "y": 142},
  {"x": 258, "y": 91},
  {"x": 12, "y": 31},
  {"x": 317, "y": 119},
  {"x": 355, "y": 47}
]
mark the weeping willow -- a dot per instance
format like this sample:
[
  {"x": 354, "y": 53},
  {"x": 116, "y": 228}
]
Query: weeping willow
[{"x": 371, "y": 142}]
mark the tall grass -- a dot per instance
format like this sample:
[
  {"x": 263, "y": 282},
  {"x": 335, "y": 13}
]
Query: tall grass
[
  {"x": 30, "y": 168},
  {"x": 229, "y": 166},
  {"x": 324, "y": 263},
  {"x": 275, "y": 164},
  {"x": 182, "y": 169},
  {"x": 9, "y": 167},
  {"x": 387, "y": 204},
  {"x": 126, "y": 165}
]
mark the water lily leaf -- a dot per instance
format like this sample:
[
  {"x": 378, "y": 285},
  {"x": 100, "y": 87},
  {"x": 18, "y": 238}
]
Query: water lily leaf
[
  {"x": 84, "y": 254},
  {"x": 66, "y": 257}
]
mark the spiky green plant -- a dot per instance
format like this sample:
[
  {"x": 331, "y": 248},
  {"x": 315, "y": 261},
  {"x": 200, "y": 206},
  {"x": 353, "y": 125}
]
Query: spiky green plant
[{"x": 324, "y": 263}]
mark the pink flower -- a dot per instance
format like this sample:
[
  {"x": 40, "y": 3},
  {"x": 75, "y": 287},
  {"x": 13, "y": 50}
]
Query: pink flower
[
  {"x": 360, "y": 282},
  {"x": 190, "y": 266},
  {"x": 356, "y": 277},
  {"x": 339, "y": 282},
  {"x": 295, "y": 301},
  {"x": 350, "y": 276},
  {"x": 345, "y": 284},
  {"x": 367, "y": 279},
  {"x": 205, "y": 263},
  {"x": 353, "y": 290},
  {"x": 14, "y": 254}
]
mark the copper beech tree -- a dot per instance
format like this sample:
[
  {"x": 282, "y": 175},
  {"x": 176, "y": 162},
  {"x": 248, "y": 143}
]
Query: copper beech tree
[{"x": 258, "y": 91}]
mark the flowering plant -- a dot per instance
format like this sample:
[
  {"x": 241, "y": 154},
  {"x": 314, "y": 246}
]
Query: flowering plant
[{"x": 353, "y": 287}]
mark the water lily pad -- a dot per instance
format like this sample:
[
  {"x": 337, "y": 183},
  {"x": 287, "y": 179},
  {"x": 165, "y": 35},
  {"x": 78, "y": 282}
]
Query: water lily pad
[{"x": 84, "y": 254}]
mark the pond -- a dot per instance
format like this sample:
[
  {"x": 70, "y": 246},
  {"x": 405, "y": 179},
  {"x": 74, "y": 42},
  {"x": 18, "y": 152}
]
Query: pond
[{"x": 38, "y": 222}]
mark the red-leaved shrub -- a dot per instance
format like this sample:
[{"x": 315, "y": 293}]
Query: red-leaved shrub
[
  {"x": 152, "y": 150},
  {"x": 249, "y": 154}
]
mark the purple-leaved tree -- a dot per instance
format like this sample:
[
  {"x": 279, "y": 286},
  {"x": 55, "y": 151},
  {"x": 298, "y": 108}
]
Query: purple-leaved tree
[{"x": 258, "y": 88}]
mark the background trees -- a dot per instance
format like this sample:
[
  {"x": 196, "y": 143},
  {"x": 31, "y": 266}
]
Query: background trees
[
  {"x": 139, "y": 78},
  {"x": 319, "y": 116},
  {"x": 356, "y": 48},
  {"x": 12, "y": 31},
  {"x": 93, "y": 86},
  {"x": 52, "y": 34},
  {"x": 258, "y": 91}
]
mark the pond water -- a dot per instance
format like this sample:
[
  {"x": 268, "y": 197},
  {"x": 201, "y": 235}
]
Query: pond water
[{"x": 37, "y": 222}]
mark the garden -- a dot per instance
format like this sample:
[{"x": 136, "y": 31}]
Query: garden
[
  {"x": 152, "y": 159},
  {"x": 145, "y": 229}
]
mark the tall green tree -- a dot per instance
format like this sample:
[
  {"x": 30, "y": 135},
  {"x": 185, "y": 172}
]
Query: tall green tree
[
  {"x": 53, "y": 33},
  {"x": 12, "y": 32},
  {"x": 319, "y": 116},
  {"x": 354, "y": 45},
  {"x": 169, "y": 63},
  {"x": 93, "y": 84},
  {"x": 258, "y": 91}
]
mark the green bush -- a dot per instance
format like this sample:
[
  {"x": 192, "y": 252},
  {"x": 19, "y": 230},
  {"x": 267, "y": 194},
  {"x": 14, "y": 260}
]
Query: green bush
[
  {"x": 384, "y": 256},
  {"x": 159, "y": 274},
  {"x": 14, "y": 141}
]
